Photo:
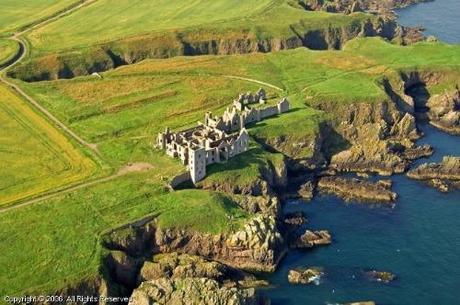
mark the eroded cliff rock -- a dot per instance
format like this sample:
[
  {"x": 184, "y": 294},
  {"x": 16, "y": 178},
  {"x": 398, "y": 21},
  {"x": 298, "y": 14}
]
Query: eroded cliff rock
[
  {"x": 191, "y": 291},
  {"x": 375, "y": 137}
]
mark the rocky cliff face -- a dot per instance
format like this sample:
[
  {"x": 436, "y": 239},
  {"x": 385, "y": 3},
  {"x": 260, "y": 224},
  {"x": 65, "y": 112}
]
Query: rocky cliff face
[
  {"x": 166, "y": 45},
  {"x": 374, "y": 137},
  {"x": 444, "y": 111},
  {"x": 185, "y": 279}
]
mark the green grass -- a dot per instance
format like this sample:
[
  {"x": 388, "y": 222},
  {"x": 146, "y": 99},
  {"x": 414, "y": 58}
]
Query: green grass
[
  {"x": 15, "y": 14},
  {"x": 123, "y": 110},
  {"x": 8, "y": 48},
  {"x": 57, "y": 242},
  {"x": 243, "y": 169},
  {"x": 36, "y": 157},
  {"x": 202, "y": 211},
  {"x": 127, "y": 18}
]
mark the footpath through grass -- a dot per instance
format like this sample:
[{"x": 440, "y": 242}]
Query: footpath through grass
[{"x": 35, "y": 156}]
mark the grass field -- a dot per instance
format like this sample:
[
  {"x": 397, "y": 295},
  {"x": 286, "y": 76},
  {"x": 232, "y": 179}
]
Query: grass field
[
  {"x": 35, "y": 156},
  {"x": 15, "y": 14},
  {"x": 57, "y": 242},
  {"x": 127, "y": 18},
  {"x": 8, "y": 49}
]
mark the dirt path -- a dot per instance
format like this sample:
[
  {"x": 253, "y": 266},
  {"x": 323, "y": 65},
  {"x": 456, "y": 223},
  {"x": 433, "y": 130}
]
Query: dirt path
[
  {"x": 130, "y": 168},
  {"x": 254, "y": 81}
]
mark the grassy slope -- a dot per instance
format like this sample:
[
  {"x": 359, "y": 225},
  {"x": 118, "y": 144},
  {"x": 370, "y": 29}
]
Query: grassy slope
[
  {"x": 261, "y": 18},
  {"x": 8, "y": 49},
  {"x": 57, "y": 241},
  {"x": 245, "y": 168},
  {"x": 124, "y": 109},
  {"x": 17, "y": 13},
  {"x": 36, "y": 157}
]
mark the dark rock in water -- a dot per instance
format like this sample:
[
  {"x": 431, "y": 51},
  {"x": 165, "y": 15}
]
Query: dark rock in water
[
  {"x": 380, "y": 276},
  {"x": 304, "y": 276},
  {"x": 311, "y": 239},
  {"x": 306, "y": 190},
  {"x": 295, "y": 219},
  {"x": 358, "y": 189},
  {"x": 444, "y": 176}
]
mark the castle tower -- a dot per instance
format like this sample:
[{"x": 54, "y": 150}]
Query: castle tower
[{"x": 197, "y": 164}]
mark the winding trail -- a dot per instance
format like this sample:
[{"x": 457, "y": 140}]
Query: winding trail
[{"x": 254, "y": 81}]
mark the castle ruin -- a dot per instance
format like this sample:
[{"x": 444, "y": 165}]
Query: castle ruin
[{"x": 219, "y": 138}]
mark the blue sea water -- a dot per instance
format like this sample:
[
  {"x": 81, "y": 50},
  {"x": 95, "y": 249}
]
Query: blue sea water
[
  {"x": 440, "y": 18},
  {"x": 418, "y": 239}
]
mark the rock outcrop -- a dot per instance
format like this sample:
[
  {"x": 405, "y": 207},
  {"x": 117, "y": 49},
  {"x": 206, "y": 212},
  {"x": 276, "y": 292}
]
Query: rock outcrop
[
  {"x": 258, "y": 245},
  {"x": 444, "y": 111},
  {"x": 186, "y": 279},
  {"x": 191, "y": 291},
  {"x": 375, "y": 137},
  {"x": 304, "y": 276},
  {"x": 444, "y": 176},
  {"x": 358, "y": 189},
  {"x": 380, "y": 276},
  {"x": 310, "y": 239}
]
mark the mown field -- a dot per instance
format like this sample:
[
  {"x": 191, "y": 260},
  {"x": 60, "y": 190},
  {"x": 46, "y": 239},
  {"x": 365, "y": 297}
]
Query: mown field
[
  {"x": 8, "y": 49},
  {"x": 35, "y": 156},
  {"x": 127, "y": 18},
  {"x": 15, "y": 14}
]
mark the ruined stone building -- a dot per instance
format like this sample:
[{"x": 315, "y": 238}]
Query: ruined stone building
[
  {"x": 202, "y": 145},
  {"x": 218, "y": 138}
]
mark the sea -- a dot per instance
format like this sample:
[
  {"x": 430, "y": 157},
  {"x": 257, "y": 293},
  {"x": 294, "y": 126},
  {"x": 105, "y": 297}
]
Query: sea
[{"x": 418, "y": 239}]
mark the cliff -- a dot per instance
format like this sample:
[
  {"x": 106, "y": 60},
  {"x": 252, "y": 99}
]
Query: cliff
[{"x": 199, "y": 42}]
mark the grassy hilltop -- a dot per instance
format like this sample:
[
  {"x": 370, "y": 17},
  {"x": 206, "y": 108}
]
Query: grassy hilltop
[{"x": 56, "y": 241}]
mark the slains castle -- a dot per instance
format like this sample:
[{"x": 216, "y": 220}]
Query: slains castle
[{"x": 218, "y": 138}]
